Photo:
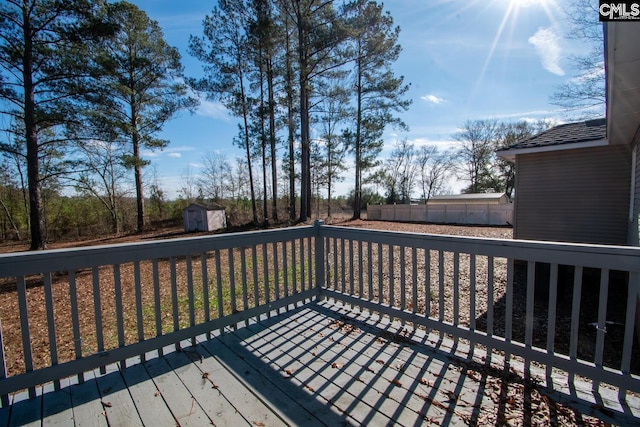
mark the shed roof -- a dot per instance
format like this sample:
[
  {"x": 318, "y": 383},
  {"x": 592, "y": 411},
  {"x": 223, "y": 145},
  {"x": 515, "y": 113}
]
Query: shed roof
[
  {"x": 474, "y": 196},
  {"x": 589, "y": 133},
  {"x": 207, "y": 206}
]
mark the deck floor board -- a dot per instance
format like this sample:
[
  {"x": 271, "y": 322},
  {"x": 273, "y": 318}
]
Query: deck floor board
[
  {"x": 118, "y": 406},
  {"x": 85, "y": 400},
  {"x": 320, "y": 364},
  {"x": 151, "y": 406}
]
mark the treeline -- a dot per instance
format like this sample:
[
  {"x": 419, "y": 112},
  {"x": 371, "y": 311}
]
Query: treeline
[
  {"x": 86, "y": 85},
  {"x": 425, "y": 171}
]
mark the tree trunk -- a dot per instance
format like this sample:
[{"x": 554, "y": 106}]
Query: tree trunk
[
  {"x": 358, "y": 177},
  {"x": 36, "y": 222},
  {"x": 305, "y": 173},
  {"x": 291, "y": 134},
  {"x": 272, "y": 141}
]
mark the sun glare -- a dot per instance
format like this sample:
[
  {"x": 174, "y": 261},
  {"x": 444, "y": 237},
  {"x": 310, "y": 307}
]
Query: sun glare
[{"x": 509, "y": 19}]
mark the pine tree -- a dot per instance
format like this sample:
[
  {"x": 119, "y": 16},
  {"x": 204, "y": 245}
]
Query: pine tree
[
  {"x": 378, "y": 92},
  {"x": 138, "y": 89},
  {"x": 43, "y": 51}
]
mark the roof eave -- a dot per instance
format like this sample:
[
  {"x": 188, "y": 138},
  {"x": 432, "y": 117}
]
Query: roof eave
[{"x": 510, "y": 155}]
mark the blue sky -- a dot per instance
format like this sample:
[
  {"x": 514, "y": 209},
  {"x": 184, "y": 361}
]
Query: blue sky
[{"x": 465, "y": 60}]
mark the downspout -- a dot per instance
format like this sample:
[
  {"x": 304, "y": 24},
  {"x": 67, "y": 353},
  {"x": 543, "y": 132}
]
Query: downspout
[{"x": 633, "y": 184}]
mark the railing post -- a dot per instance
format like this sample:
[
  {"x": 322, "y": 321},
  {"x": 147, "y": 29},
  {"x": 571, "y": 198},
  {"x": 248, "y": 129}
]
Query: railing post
[{"x": 319, "y": 257}]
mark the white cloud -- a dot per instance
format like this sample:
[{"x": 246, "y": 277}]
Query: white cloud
[
  {"x": 545, "y": 40},
  {"x": 176, "y": 155},
  {"x": 432, "y": 99},
  {"x": 212, "y": 109},
  {"x": 441, "y": 144}
]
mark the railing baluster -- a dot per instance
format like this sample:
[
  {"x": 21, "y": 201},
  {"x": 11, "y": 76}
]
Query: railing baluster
[
  {"x": 138, "y": 295},
  {"x": 456, "y": 288},
  {"x": 441, "y": 286},
  {"x": 245, "y": 288},
  {"x": 285, "y": 268},
  {"x": 97, "y": 309},
  {"x": 335, "y": 264},
  {"x": 294, "y": 267},
  {"x": 508, "y": 329},
  {"x": 174, "y": 297},
  {"x": 414, "y": 280},
  {"x": 75, "y": 319},
  {"x": 551, "y": 316},
  {"x": 157, "y": 301},
  {"x": 24, "y": 329},
  {"x": 310, "y": 259},
  {"x": 4, "y": 398},
  {"x": 190, "y": 295},
  {"x": 360, "y": 272},
  {"x": 490, "y": 264},
  {"x": 351, "y": 275},
  {"x": 343, "y": 267},
  {"x": 575, "y": 317},
  {"x": 380, "y": 263},
  {"x": 117, "y": 288},
  {"x": 391, "y": 277},
  {"x": 633, "y": 294},
  {"x": 265, "y": 272},
  {"x": 219, "y": 288},
  {"x": 472, "y": 292},
  {"x": 276, "y": 275},
  {"x": 602, "y": 316},
  {"x": 370, "y": 270},
  {"x": 427, "y": 282},
  {"x": 403, "y": 281},
  {"x": 205, "y": 287},
  {"x": 254, "y": 261},
  {"x": 232, "y": 283},
  {"x": 51, "y": 324},
  {"x": 528, "y": 326},
  {"x": 302, "y": 266}
]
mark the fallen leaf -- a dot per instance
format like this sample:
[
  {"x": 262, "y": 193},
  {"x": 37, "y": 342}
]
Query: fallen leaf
[
  {"x": 370, "y": 370},
  {"x": 424, "y": 382},
  {"x": 258, "y": 423},
  {"x": 396, "y": 383},
  {"x": 107, "y": 404},
  {"x": 335, "y": 365},
  {"x": 309, "y": 388},
  {"x": 451, "y": 395},
  {"x": 380, "y": 361},
  {"x": 205, "y": 375},
  {"x": 288, "y": 372}
]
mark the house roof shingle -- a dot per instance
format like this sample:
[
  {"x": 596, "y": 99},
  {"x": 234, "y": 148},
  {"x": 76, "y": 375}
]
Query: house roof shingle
[{"x": 590, "y": 130}]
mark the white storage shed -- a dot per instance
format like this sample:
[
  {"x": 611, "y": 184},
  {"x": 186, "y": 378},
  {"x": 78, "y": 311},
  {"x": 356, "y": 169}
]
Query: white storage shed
[{"x": 204, "y": 217}]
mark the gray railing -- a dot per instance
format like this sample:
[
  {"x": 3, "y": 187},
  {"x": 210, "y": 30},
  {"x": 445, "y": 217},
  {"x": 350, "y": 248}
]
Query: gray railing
[
  {"x": 65, "y": 312},
  {"x": 567, "y": 307},
  {"x": 571, "y": 308}
]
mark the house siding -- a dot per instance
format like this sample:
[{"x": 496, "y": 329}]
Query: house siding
[
  {"x": 634, "y": 225},
  {"x": 579, "y": 195}
]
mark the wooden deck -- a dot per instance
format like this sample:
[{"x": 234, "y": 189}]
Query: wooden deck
[{"x": 319, "y": 364}]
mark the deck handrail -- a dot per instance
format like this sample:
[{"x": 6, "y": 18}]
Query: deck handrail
[{"x": 147, "y": 295}]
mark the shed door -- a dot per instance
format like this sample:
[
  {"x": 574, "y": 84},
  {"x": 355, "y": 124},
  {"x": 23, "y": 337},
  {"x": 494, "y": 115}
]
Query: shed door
[{"x": 195, "y": 220}]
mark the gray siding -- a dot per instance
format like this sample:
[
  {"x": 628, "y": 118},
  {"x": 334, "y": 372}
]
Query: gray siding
[
  {"x": 634, "y": 225},
  {"x": 579, "y": 195}
]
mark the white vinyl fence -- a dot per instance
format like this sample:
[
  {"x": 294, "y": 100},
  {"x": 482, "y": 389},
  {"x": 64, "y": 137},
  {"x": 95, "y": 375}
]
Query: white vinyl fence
[{"x": 459, "y": 213}]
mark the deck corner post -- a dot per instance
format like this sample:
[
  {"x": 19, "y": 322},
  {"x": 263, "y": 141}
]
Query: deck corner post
[{"x": 319, "y": 257}]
